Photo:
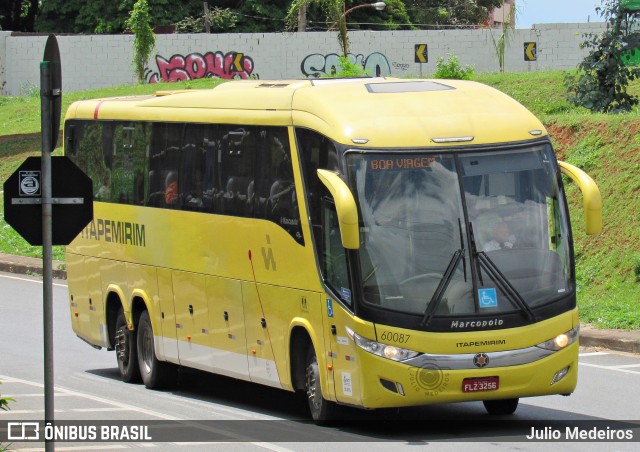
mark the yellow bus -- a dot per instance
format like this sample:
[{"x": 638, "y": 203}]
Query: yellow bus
[{"x": 368, "y": 242}]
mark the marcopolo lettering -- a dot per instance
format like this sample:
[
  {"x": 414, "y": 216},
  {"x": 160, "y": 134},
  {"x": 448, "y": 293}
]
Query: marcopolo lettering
[
  {"x": 476, "y": 323},
  {"x": 112, "y": 231}
]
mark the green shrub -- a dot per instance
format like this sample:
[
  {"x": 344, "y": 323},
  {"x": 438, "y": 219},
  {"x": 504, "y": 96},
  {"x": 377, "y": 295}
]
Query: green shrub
[
  {"x": 4, "y": 403},
  {"x": 348, "y": 69},
  {"x": 451, "y": 69}
]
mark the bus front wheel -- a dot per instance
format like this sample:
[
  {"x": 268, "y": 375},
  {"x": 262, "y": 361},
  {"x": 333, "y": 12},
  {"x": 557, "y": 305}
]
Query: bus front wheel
[
  {"x": 155, "y": 374},
  {"x": 126, "y": 350},
  {"x": 506, "y": 406},
  {"x": 322, "y": 410}
]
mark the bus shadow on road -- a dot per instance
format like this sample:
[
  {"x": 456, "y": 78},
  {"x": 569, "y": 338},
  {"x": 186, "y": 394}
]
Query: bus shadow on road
[{"x": 416, "y": 425}]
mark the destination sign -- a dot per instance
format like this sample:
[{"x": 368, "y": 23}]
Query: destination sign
[{"x": 401, "y": 163}]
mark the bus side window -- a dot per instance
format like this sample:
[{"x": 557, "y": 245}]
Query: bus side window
[
  {"x": 275, "y": 191},
  {"x": 238, "y": 147},
  {"x": 315, "y": 151},
  {"x": 211, "y": 170},
  {"x": 192, "y": 167},
  {"x": 84, "y": 141},
  {"x": 124, "y": 150},
  {"x": 164, "y": 165},
  {"x": 334, "y": 257}
]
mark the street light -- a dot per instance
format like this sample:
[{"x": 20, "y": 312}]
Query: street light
[{"x": 379, "y": 6}]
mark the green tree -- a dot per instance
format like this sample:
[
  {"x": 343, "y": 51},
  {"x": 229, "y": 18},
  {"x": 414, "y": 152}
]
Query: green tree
[
  {"x": 108, "y": 16},
  {"x": 257, "y": 16},
  {"x": 18, "y": 15},
  {"x": 344, "y": 15},
  {"x": 145, "y": 40},
  {"x": 450, "y": 12},
  {"x": 601, "y": 81},
  {"x": 220, "y": 21}
]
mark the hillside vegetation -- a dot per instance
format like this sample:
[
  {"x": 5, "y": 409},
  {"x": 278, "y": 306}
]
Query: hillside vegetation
[{"x": 606, "y": 146}]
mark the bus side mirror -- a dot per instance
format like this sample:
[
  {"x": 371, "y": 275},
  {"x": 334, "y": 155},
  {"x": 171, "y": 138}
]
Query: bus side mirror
[
  {"x": 345, "y": 207},
  {"x": 591, "y": 199}
]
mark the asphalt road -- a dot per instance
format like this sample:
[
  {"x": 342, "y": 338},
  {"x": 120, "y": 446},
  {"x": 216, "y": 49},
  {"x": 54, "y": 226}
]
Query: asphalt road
[{"x": 243, "y": 416}]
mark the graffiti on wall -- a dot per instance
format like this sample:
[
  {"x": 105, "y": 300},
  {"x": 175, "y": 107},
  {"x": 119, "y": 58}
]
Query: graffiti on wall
[
  {"x": 196, "y": 65},
  {"x": 317, "y": 65}
]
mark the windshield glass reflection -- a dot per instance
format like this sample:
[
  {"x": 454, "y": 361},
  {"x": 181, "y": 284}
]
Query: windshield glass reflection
[{"x": 415, "y": 248}]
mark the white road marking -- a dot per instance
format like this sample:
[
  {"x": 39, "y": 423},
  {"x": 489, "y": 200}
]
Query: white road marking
[
  {"x": 23, "y": 396},
  {"x": 582, "y": 355},
  {"x": 31, "y": 280},
  {"x": 614, "y": 368},
  {"x": 114, "y": 403},
  {"x": 105, "y": 447},
  {"x": 625, "y": 366},
  {"x": 123, "y": 407}
]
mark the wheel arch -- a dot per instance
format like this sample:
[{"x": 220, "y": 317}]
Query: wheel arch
[{"x": 301, "y": 336}]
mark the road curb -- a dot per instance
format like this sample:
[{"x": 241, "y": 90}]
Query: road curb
[
  {"x": 624, "y": 341},
  {"x": 23, "y": 265}
]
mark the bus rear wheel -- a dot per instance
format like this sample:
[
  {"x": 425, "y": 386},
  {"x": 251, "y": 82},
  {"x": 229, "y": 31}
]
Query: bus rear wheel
[
  {"x": 126, "y": 350},
  {"x": 496, "y": 407},
  {"x": 155, "y": 374},
  {"x": 322, "y": 410}
]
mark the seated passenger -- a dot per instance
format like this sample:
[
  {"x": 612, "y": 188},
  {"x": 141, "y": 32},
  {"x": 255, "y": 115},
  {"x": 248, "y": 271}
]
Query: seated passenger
[
  {"x": 171, "y": 189},
  {"x": 502, "y": 238}
]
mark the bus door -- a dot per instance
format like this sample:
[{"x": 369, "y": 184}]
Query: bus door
[
  {"x": 336, "y": 309},
  {"x": 227, "y": 329},
  {"x": 192, "y": 319}
]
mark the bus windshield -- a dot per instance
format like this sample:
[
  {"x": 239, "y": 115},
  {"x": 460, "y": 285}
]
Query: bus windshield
[{"x": 448, "y": 234}]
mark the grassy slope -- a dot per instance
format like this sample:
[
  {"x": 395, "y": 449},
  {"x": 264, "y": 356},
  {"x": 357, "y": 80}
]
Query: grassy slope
[{"x": 607, "y": 147}]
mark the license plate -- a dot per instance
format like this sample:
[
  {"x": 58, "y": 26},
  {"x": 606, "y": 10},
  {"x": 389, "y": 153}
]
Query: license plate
[{"x": 480, "y": 384}]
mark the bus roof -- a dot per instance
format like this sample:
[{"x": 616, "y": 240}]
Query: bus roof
[{"x": 381, "y": 112}]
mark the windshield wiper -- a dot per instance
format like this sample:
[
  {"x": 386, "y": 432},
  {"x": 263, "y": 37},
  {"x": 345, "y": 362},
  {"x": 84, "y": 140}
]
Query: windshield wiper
[
  {"x": 484, "y": 262},
  {"x": 464, "y": 261},
  {"x": 503, "y": 283},
  {"x": 436, "y": 298}
]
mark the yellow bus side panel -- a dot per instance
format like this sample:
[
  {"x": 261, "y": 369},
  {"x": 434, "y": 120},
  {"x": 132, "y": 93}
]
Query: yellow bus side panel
[
  {"x": 85, "y": 300},
  {"x": 167, "y": 348},
  {"x": 224, "y": 246},
  {"x": 226, "y": 327},
  {"x": 192, "y": 318}
]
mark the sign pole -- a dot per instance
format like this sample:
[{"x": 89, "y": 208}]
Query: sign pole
[{"x": 47, "y": 247}]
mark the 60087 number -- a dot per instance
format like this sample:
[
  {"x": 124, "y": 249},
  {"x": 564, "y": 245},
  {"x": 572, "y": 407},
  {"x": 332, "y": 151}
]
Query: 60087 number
[{"x": 390, "y": 336}]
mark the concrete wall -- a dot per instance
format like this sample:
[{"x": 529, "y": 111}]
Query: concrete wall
[{"x": 92, "y": 61}]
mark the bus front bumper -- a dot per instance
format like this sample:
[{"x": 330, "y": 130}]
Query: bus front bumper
[{"x": 396, "y": 384}]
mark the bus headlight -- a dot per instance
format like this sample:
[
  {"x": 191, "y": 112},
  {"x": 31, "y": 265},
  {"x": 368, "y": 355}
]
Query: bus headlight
[
  {"x": 561, "y": 340},
  {"x": 377, "y": 348}
]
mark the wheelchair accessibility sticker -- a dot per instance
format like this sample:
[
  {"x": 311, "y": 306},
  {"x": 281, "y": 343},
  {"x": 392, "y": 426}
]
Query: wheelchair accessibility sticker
[
  {"x": 488, "y": 298},
  {"x": 329, "y": 307}
]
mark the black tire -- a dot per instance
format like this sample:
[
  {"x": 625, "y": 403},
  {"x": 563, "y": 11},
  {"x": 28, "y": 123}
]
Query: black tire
[
  {"x": 323, "y": 411},
  {"x": 126, "y": 350},
  {"x": 498, "y": 407},
  {"x": 155, "y": 374}
]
